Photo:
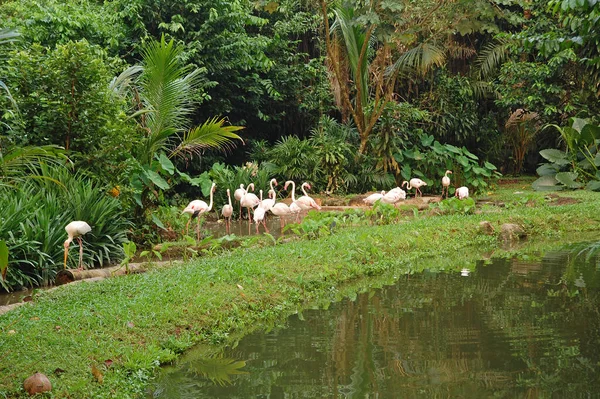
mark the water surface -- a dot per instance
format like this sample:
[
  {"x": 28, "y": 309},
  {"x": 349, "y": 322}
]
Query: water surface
[{"x": 507, "y": 329}]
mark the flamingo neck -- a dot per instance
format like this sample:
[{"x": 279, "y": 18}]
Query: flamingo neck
[
  {"x": 68, "y": 242},
  {"x": 303, "y": 190},
  {"x": 271, "y": 184},
  {"x": 211, "y": 197},
  {"x": 229, "y": 197},
  {"x": 293, "y": 191}
]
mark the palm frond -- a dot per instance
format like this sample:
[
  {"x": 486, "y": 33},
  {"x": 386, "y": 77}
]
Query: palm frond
[
  {"x": 9, "y": 35},
  {"x": 211, "y": 134},
  {"x": 167, "y": 91},
  {"x": 490, "y": 57},
  {"x": 354, "y": 39},
  {"x": 420, "y": 59},
  {"x": 120, "y": 84},
  {"x": 22, "y": 162}
]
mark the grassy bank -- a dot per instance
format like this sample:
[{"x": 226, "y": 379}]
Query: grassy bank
[{"x": 123, "y": 328}]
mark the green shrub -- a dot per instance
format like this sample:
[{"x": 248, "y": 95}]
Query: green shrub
[{"x": 33, "y": 220}]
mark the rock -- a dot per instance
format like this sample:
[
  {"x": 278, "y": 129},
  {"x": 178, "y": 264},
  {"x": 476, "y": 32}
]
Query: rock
[
  {"x": 37, "y": 383},
  {"x": 511, "y": 232},
  {"x": 486, "y": 228}
]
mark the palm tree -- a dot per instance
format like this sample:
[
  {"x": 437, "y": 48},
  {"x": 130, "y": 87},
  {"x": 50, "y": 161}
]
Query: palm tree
[{"x": 163, "y": 90}]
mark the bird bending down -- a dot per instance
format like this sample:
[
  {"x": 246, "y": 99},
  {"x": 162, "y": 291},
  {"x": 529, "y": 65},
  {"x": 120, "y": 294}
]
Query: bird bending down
[
  {"x": 416, "y": 184},
  {"x": 238, "y": 194},
  {"x": 249, "y": 200},
  {"x": 197, "y": 208},
  {"x": 445, "y": 183},
  {"x": 75, "y": 230},
  {"x": 227, "y": 211},
  {"x": 371, "y": 199},
  {"x": 259, "y": 215},
  {"x": 305, "y": 202},
  {"x": 393, "y": 196},
  {"x": 462, "y": 193}
]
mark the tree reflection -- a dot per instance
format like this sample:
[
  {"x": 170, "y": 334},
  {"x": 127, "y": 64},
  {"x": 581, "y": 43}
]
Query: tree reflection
[{"x": 508, "y": 329}]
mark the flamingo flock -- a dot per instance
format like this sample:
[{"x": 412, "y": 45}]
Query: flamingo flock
[{"x": 260, "y": 207}]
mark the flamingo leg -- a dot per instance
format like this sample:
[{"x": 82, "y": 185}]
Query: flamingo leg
[
  {"x": 80, "y": 253},
  {"x": 198, "y": 228},
  {"x": 265, "y": 225},
  {"x": 187, "y": 227}
]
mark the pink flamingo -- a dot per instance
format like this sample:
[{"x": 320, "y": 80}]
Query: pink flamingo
[
  {"x": 249, "y": 200},
  {"x": 259, "y": 215},
  {"x": 416, "y": 184},
  {"x": 197, "y": 208},
  {"x": 445, "y": 183},
  {"x": 227, "y": 211}
]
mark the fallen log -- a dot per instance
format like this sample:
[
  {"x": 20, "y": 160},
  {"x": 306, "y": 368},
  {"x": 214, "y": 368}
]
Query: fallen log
[{"x": 70, "y": 275}]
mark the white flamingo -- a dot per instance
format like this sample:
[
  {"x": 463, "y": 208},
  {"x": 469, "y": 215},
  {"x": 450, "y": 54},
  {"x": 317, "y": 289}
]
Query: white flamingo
[
  {"x": 462, "y": 193},
  {"x": 371, "y": 199},
  {"x": 249, "y": 200},
  {"x": 294, "y": 207},
  {"x": 227, "y": 211},
  {"x": 306, "y": 202},
  {"x": 75, "y": 230},
  {"x": 259, "y": 215},
  {"x": 446, "y": 183},
  {"x": 416, "y": 184},
  {"x": 238, "y": 194},
  {"x": 268, "y": 203},
  {"x": 393, "y": 196},
  {"x": 197, "y": 208},
  {"x": 280, "y": 209}
]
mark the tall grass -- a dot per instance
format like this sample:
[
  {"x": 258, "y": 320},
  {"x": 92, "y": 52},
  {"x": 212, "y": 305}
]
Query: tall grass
[{"x": 32, "y": 222}]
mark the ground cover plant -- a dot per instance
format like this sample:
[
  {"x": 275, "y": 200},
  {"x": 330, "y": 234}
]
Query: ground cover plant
[{"x": 127, "y": 326}]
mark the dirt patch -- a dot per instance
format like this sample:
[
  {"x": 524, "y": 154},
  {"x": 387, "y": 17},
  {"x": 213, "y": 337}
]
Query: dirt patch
[{"x": 563, "y": 201}]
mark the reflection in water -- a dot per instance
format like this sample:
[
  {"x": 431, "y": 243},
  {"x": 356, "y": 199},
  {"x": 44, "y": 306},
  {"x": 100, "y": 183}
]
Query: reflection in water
[{"x": 505, "y": 329}]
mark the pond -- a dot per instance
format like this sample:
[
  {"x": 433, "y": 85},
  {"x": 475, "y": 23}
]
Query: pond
[{"x": 507, "y": 328}]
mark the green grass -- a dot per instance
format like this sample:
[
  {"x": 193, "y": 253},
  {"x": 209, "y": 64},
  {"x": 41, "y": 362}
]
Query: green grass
[{"x": 141, "y": 321}]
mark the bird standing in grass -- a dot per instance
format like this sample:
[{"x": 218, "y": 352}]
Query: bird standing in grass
[
  {"x": 445, "y": 183},
  {"x": 227, "y": 211},
  {"x": 197, "y": 208},
  {"x": 75, "y": 230}
]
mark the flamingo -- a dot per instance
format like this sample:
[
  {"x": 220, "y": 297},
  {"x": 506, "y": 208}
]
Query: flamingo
[
  {"x": 416, "y": 184},
  {"x": 238, "y": 194},
  {"x": 294, "y": 207},
  {"x": 280, "y": 209},
  {"x": 75, "y": 230},
  {"x": 268, "y": 203},
  {"x": 462, "y": 193},
  {"x": 393, "y": 196},
  {"x": 446, "y": 183},
  {"x": 371, "y": 199},
  {"x": 305, "y": 202},
  {"x": 249, "y": 200},
  {"x": 227, "y": 211},
  {"x": 197, "y": 208},
  {"x": 259, "y": 215}
]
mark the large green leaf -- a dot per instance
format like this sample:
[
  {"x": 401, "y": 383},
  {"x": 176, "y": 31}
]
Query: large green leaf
[
  {"x": 156, "y": 179},
  {"x": 546, "y": 183},
  {"x": 593, "y": 185},
  {"x": 547, "y": 169},
  {"x": 557, "y": 156},
  {"x": 166, "y": 163},
  {"x": 568, "y": 179}
]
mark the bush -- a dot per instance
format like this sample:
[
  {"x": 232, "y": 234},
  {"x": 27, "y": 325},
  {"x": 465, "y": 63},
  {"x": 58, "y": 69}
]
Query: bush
[{"x": 33, "y": 220}]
